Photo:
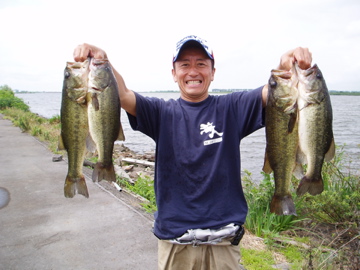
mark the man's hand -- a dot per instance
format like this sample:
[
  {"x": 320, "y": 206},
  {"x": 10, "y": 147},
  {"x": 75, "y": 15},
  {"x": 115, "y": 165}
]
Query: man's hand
[
  {"x": 301, "y": 55},
  {"x": 83, "y": 51}
]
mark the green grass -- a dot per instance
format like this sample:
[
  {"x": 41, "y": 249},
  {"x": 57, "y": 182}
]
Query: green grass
[
  {"x": 257, "y": 259},
  {"x": 143, "y": 186}
]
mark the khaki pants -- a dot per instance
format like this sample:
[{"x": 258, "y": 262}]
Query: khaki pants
[{"x": 222, "y": 256}]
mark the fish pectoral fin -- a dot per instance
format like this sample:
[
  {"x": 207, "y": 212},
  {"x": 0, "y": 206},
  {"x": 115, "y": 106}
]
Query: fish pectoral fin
[
  {"x": 121, "y": 136},
  {"x": 61, "y": 143},
  {"x": 95, "y": 102},
  {"x": 292, "y": 122},
  {"x": 267, "y": 168},
  {"x": 300, "y": 157},
  {"x": 90, "y": 144},
  {"x": 298, "y": 171},
  {"x": 331, "y": 152}
]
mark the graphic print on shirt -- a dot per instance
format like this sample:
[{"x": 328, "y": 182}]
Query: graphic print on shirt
[{"x": 209, "y": 129}]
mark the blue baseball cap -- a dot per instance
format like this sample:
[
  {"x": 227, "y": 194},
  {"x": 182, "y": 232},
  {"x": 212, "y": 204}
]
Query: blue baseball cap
[{"x": 196, "y": 39}]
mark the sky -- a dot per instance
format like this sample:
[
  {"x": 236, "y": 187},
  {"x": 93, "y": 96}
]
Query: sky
[{"x": 248, "y": 38}]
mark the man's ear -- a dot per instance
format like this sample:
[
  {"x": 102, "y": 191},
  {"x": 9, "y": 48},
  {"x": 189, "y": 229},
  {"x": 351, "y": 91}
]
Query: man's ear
[
  {"x": 213, "y": 74},
  {"x": 174, "y": 75}
]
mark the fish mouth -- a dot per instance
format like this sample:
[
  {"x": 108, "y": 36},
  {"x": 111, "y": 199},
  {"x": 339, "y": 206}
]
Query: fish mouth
[
  {"x": 95, "y": 89},
  {"x": 98, "y": 62},
  {"x": 309, "y": 71},
  {"x": 283, "y": 74}
]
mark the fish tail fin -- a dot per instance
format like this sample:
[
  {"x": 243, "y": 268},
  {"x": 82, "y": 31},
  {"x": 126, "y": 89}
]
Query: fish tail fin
[
  {"x": 312, "y": 185},
  {"x": 282, "y": 205},
  {"x": 102, "y": 171},
  {"x": 75, "y": 186}
]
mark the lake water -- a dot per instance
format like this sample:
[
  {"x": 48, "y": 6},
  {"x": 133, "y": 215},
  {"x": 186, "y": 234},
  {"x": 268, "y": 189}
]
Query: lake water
[{"x": 346, "y": 128}]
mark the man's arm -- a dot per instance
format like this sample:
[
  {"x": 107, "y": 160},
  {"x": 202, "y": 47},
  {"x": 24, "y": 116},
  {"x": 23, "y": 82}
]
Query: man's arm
[
  {"x": 127, "y": 97},
  {"x": 300, "y": 55}
]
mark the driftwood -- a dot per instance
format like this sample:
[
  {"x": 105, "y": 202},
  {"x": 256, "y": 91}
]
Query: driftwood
[
  {"x": 89, "y": 163},
  {"x": 57, "y": 158},
  {"x": 138, "y": 161}
]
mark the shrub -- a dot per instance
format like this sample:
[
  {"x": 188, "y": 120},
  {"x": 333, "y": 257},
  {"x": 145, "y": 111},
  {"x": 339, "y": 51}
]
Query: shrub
[
  {"x": 340, "y": 200},
  {"x": 144, "y": 186},
  {"x": 260, "y": 220},
  {"x": 8, "y": 99}
]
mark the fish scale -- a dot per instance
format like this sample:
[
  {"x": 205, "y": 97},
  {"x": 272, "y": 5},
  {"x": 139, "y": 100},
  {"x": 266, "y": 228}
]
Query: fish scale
[
  {"x": 104, "y": 117},
  {"x": 316, "y": 142},
  {"x": 298, "y": 131},
  {"x": 74, "y": 126},
  {"x": 281, "y": 139}
]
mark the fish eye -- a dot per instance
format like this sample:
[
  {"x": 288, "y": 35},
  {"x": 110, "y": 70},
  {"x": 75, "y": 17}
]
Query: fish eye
[
  {"x": 319, "y": 75},
  {"x": 273, "y": 83},
  {"x": 67, "y": 74}
]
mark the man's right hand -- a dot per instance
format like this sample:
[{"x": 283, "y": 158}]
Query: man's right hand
[{"x": 83, "y": 51}]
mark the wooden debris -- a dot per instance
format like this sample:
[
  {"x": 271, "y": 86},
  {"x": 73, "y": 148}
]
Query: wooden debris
[
  {"x": 57, "y": 158},
  {"x": 138, "y": 161}
]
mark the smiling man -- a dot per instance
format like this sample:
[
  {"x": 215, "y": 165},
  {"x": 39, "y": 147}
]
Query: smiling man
[
  {"x": 200, "y": 200},
  {"x": 193, "y": 68}
]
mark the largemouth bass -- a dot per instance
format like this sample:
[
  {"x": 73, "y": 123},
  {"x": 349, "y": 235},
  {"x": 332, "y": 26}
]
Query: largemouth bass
[
  {"x": 104, "y": 117},
  {"x": 316, "y": 140},
  {"x": 74, "y": 125},
  {"x": 281, "y": 138}
]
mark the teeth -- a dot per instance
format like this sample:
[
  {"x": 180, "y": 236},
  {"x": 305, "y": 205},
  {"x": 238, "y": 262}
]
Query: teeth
[{"x": 193, "y": 82}]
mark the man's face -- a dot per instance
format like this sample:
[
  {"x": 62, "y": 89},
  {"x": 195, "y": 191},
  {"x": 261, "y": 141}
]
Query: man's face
[{"x": 193, "y": 72}]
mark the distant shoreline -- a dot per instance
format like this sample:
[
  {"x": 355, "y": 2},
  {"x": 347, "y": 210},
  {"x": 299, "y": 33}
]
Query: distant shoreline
[{"x": 214, "y": 91}]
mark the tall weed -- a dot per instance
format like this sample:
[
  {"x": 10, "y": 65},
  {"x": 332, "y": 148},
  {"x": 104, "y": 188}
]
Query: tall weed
[
  {"x": 340, "y": 200},
  {"x": 144, "y": 186},
  {"x": 260, "y": 220}
]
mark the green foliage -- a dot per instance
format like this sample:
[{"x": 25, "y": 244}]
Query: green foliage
[
  {"x": 144, "y": 186},
  {"x": 257, "y": 259},
  {"x": 340, "y": 200},
  {"x": 339, "y": 203},
  {"x": 294, "y": 255},
  {"x": 55, "y": 119},
  {"x": 9, "y": 100},
  {"x": 260, "y": 220},
  {"x": 23, "y": 122},
  {"x": 36, "y": 131},
  {"x": 35, "y": 125}
]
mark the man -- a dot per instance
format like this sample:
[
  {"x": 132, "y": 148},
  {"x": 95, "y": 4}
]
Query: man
[{"x": 201, "y": 205}]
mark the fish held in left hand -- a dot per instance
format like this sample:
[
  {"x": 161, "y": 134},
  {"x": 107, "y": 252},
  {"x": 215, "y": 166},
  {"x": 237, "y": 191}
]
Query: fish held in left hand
[
  {"x": 104, "y": 117},
  {"x": 281, "y": 139},
  {"x": 316, "y": 139},
  {"x": 74, "y": 126}
]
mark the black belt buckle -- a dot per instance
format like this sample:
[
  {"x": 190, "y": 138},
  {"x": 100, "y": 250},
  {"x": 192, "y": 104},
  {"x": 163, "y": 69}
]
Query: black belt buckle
[{"x": 238, "y": 236}]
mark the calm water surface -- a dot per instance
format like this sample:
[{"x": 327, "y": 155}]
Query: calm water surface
[{"x": 346, "y": 127}]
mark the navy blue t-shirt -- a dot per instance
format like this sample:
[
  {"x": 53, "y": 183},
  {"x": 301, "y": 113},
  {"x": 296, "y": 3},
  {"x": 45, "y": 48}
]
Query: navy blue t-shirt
[{"x": 197, "y": 174}]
